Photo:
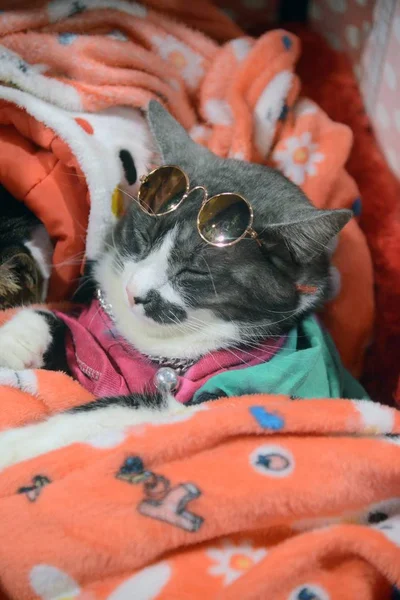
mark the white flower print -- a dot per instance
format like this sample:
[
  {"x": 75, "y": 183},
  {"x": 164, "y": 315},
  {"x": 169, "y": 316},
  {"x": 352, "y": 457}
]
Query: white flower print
[
  {"x": 50, "y": 583},
  {"x": 200, "y": 132},
  {"x": 390, "y": 529},
  {"x": 299, "y": 158},
  {"x": 146, "y": 584},
  {"x": 181, "y": 57},
  {"x": 375, "y": 418},
  {"x": 218, "y": 112},
  {"x": 305, "y": 107},
  {"x": 241, "y": 47},
  {"x": 232, "y": 561},
  {"x": 239, "y": 155}
]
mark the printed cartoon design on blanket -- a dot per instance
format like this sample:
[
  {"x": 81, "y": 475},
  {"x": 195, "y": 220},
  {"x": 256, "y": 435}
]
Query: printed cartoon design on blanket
[
  {"x": 309, "y": 592},
  {"x": 274, "y": 461},
  {"x": 162, "y": 501},
  {"x": 256, "y": 478},
  {"x": 33, "y": 491},
  {"x": 266, "y": 419}
]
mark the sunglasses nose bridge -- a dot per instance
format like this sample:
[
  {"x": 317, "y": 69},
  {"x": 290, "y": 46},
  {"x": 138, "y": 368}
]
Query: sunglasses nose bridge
[{"x": 195, "y": 189}]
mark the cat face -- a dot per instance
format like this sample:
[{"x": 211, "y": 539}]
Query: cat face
[{"x": 174, "y": 295}]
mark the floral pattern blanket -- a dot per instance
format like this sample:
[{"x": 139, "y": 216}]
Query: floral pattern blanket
[{"x": 217, "y": 500}]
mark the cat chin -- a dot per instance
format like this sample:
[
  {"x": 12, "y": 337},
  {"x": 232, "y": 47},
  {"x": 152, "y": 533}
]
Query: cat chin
[
  {"x": 201, "y": 333},
  {"x": 175, "y": 341}
]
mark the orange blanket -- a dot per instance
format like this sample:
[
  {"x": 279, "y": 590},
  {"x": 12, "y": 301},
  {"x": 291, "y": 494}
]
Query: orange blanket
[
  {"x": 253, "y": 498},
  {"x": 257, "y": 497}
]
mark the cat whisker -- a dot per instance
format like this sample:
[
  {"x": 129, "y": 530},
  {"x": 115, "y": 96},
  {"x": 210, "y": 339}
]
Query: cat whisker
[
  {"x": 76, "y": 259},
  {"x": 98, "y": 309},
  {"x": 128, "y": 194},
  {"x": 117, "y": 254},
  {"x": 211, "y": 277},
  {"x": 212, "y": 354},
  {"x": 250, "y": 327},
  {"x": 316, "y": 242},
  {"x": 182, "y": 327},
  {"x": 84, "y": 281},
  {"x": 236, "y": 356},
  {"x": 74, "y": 174},
  {"x": 7, "y": 262}
]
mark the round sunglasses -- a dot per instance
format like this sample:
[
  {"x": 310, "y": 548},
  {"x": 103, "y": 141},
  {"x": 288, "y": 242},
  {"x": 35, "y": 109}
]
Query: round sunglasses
[{"x": 223, "y": 219}]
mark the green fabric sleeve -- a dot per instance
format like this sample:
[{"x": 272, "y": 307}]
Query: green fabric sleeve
[{"x": 308, "y": 366}]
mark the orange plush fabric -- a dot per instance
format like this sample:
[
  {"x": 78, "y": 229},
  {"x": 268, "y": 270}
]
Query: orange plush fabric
[
  {"x": 240, "y": 99},
  {"x": 224, "y": 500},
  {"x": 38, "y": 168}
]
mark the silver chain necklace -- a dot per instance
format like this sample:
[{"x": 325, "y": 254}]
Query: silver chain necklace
[{"x": 180, "y": 365}]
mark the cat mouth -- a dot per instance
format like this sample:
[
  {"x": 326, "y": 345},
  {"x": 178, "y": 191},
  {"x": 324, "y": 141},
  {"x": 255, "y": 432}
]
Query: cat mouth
[{"x": 166, "y": 319}]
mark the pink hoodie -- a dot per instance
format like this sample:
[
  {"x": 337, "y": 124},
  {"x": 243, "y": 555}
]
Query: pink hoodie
[{"x": 107, "y": 365}]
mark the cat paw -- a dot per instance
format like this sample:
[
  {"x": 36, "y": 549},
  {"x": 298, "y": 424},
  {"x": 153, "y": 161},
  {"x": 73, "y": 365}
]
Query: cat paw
[{"x": 24, "y": 341}]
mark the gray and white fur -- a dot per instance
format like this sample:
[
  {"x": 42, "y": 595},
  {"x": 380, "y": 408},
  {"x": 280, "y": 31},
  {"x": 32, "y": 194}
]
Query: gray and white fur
[{"x": 175, "y": 296}]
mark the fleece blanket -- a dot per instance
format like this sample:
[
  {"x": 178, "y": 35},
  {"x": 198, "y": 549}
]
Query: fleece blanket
[
  {"x": 68, "y": 68},
  {"x": 254, "y": 497}
]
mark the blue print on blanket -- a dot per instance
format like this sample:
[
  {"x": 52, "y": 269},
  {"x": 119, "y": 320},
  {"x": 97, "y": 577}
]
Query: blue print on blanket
[
  {"x": 284, "y": 112},
  {"x": 287, "y": 42},
  {"x": 309, "y": 592},
  {"x": 357, "y": 207},
  {"x": 67, "y": 38},
  {"x": 265, "y": 419}
]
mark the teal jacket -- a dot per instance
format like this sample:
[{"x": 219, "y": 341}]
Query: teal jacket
[{"x": 308, "y": 366}]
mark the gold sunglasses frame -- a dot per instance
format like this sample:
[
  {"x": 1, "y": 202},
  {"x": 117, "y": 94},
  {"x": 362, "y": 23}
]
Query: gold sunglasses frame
[{"x": 249, "y": 231}]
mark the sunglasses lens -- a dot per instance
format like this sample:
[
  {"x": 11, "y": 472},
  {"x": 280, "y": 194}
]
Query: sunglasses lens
[
  {"x": 224, "y": 219},
  {"x": 162, "y": 190}
]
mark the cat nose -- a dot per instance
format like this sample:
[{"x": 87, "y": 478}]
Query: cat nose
[
  {"x": 140, "y": 300},
  {"x": 136, "y": 300}
]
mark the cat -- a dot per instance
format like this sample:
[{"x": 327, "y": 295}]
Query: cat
[
  {"x": 25, "y": 254},
  {"x": 171, "y": 295}
]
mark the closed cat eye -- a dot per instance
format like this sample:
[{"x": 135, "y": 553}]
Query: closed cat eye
[{"x": 223, "y": 219}]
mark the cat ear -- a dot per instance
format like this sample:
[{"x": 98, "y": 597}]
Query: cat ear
[
  {"x": 175, "y": 145},
  {"x": 312, "y": 233}
]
